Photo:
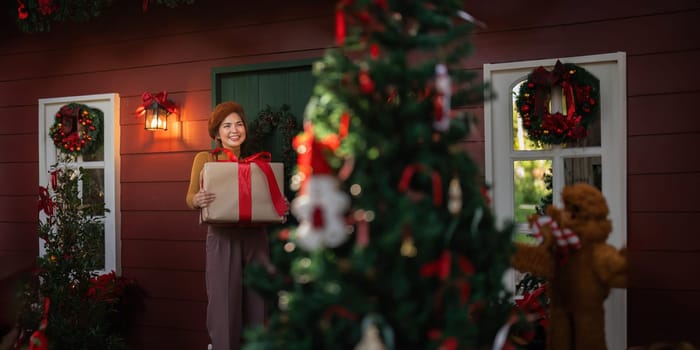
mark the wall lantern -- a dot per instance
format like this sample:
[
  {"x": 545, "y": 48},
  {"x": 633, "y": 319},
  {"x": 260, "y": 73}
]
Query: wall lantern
[{"x": 155, "y": 110}]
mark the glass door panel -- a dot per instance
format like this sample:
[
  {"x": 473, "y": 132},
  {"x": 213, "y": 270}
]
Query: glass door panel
[
  {"x": 583, "y": 169},
  {"x": 532, "y": 191}
]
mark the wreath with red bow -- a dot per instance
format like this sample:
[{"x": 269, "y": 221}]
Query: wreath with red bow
[
  {"x": 580, "y": 90},
  {"x": 77, "y": 129}
]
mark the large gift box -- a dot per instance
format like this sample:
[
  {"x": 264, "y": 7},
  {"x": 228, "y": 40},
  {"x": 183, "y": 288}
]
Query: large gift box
[{"x": 247, "y": 190}]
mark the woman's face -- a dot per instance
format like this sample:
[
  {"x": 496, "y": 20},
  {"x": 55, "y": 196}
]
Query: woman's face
[{"x": 232, "y": 131}]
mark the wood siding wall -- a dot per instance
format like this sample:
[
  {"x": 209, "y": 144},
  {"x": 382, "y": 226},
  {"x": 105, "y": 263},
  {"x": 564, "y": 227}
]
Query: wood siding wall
[
  {"x": 162, "y": 244},
  {"x": 662, "y": 42}
]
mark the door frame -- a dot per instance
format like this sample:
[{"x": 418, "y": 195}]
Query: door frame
[{"x": 613, "y": 154}]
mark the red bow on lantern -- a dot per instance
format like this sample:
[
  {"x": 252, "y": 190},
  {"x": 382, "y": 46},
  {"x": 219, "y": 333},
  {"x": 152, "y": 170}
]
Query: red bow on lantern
[{"x": 160, "y": 98}]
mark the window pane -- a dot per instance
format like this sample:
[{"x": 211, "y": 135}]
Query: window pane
[
  {"x": 520, "y": 140},
  {"x": 93, "y": 191},
  {"x": 532, "y": 180},
  {"x": 97, "y": 155},
  {"x": 588, "y": 170},
  {"x": 93, "y": 199},
  {"x": 533, "y": 192}
]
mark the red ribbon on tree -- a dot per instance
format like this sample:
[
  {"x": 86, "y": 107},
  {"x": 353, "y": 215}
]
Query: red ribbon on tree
[
  {"x": 340, "y": 311},
  {"x": 262, "y": 160},
  {"x": 407, "y": 175},
  {"x": 160, "y": 98},
  {"x": 442, "y": 268}
]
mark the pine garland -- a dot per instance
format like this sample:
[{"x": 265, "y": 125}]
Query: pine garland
[{"x": 38, "y": 15}]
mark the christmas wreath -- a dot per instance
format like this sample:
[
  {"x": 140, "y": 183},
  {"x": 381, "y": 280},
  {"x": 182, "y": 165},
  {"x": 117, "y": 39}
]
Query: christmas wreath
[
  {"x": 77, "y": 129},
  {"x": 580, "y": 90},
  {"x": 265, "y": 125}
]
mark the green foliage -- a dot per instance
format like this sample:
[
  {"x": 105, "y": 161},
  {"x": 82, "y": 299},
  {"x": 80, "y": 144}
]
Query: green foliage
[
  {"x": 86, "y": 309},
  {"x": 531, "y": 187},
  {"x": 38, "y": 15},
  {"x": 321, "y": 299}
]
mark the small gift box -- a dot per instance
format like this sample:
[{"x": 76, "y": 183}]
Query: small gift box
[{"x": 248, "y": 190}]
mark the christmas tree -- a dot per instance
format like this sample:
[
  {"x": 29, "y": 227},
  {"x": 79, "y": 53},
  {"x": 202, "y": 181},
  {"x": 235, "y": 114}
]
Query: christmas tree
[
  {"x": 396, "y": 246},
  {"x": 69, "y": 305}
]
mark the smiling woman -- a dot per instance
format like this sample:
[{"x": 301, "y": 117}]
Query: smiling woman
[{"x": 229, "y": 249}]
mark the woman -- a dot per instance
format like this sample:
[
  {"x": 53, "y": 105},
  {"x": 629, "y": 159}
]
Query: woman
[{"x": 229, "y": 249}]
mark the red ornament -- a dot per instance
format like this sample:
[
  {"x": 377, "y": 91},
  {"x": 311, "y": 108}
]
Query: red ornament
[
  {"x": 366, "y": 83},
  {"x": 374, "y": 51},
  {"x": 22, "y": 12},
  {"x": 339, "y": 27}
]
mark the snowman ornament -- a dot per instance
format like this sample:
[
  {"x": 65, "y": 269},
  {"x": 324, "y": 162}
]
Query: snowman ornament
[
  {"x": 320, "y": 213},
  {"x": 320, "y": 206}
]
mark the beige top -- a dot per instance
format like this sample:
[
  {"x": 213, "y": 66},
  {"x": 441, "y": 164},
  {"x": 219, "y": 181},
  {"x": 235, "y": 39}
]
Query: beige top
[{"x": 197, "y": 165}]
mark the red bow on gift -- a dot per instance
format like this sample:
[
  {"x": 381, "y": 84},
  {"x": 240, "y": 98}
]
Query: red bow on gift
[
  {"x": 160, "y": 98},
  {"x": 261, "y": 159}
]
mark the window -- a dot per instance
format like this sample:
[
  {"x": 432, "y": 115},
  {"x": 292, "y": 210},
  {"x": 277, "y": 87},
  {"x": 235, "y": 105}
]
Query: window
[
  {"x": 524, "y": 176},
  {"x": 102, "y": 165}
]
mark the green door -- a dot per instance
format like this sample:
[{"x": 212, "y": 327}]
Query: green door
[{"x": 261, "y": 86}]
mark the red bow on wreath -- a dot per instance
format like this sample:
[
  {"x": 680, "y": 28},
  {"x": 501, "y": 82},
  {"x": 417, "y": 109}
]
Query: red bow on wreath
[{"x": 160, "y": 98}]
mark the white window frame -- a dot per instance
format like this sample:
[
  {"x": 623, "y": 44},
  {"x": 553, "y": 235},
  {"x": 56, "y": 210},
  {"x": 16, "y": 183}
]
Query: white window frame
[
  {"x": 109, "y": 105},
  {"x": 611, "y": 70}
]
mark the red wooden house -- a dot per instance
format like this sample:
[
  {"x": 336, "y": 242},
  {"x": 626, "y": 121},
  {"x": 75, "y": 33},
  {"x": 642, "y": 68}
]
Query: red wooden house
[{"x": 645, "y": 52}]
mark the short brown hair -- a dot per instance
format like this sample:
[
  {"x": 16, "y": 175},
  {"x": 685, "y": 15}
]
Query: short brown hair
[{"x": 220, "y": 112}]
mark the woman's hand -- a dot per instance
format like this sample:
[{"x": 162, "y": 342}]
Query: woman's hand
[{"x": 203, "y": 198}]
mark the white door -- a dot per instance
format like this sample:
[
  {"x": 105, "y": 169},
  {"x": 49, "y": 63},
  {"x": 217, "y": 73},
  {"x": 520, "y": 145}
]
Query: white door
[
  {"x": 102, "y": 164},
  {"x": 518, "y": 171}
]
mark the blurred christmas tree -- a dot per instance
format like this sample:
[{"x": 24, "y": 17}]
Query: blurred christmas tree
[
  {"x": 381, "y": 162},
  {"x": 68, "y": 305}
]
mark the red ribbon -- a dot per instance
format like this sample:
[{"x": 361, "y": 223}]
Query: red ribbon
[
  {"x": 22, "y": 12},
  {"x": 262, "y": 160},
  {"x": 441, "y": 266},
  {"x": 407, "y": 175},
  {"x": 340, "y": 311},
  {"x": 45, "y": 202},
  {"x": 545, "y": 80},
  {"x": 339, "y": 27},
  {"x": 160, "y": 98},
  {"x": 54, "y": 178},
  {"x": 531, "y": 302}
]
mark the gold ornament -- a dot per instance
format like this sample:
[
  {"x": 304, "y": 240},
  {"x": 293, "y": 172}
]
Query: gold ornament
[
  {"x": 408, "y": 249},
  {"x": 454, "y": 192}
]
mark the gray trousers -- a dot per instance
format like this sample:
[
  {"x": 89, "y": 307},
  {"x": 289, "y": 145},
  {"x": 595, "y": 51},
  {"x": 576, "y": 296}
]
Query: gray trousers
[{"x": 232, "y": 307}]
